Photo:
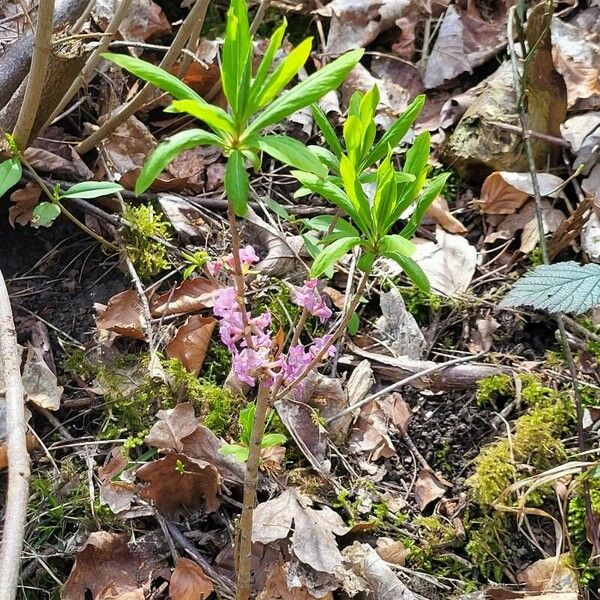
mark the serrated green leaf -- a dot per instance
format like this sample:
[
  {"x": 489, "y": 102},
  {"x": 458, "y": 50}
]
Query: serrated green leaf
[
  {"x": 332, "y": 254},
  {"x": 215, "y": 117},
  {"x": 237, "y": 185},
  {"x": 166, "y": 151},
  {"x": 10, "y": 174},
  {"x": 92, "y": 189},
  {"x": 566, "y": 287},
  {"x": 291, "y": 152},
  {"x": 308, "y": 91},
  {"x": 45, "y": 213},
  {"x": 154, "y": 75}
]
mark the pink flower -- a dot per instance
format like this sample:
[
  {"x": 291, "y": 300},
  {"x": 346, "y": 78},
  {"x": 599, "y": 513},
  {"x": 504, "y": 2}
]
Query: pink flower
[
  {"x": 248, "y": 257},
  {"x": 226, "y": 302},
  {"x": 308, "y": 297},
  {"x": 248, "y": 363},
  {"x": 214, "y": 268}
]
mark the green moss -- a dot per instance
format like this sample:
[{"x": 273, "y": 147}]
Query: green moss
[
  {"x": 487, "y": 542},
  {"x": 493, "y": 388},
  {"x": 535, "y": 442},
  {"x": 148, "y": 256},
  {"x": 576, "y": 521},
  {"x": 421, "y": 305}
]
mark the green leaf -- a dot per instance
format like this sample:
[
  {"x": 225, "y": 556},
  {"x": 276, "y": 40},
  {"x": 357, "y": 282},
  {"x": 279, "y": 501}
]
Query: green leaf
[
  {"x": 240, "y": 453},
  {"x": 45, "y": 213},
  {"x": 283, "y": 74},
  {"x": 412, "y": 269},
  {"x": 273, "y": 439},
  {"x": 332, "y": 254},
  {"x": 324, "y": 223},
  {"x": 357, "y": 196},
  {"x": 396, "y": 244},
  {"x": 326, "y": 129},
  {"x": 166, "y": 151},
  {"x": 216, "y": 118},
  {"x": 432, "y": 191},
  {"x": 246, "y": 420},
  {"x": 92, "y": 189},
  {"x": 365, "y": 262},
  {"x": 353, "y": 324},
  {"x": 265, "y": 64},
  {"x": 394, "y": 135},
  {"x": 291, "y": 152},
  {"x": 565, "y": 287},
  {"x": 314, "y": 251},
  {"x": 353, "y": 136},
  {"x": 154, "y": 75},
  {"x": 276, "y": 208},
  {"x": 308, "y": 91},
  {"x": 385, "y": 194},
  {"x": 10, "y": 174},
  {"x": 326, "y": 156},
  {"x": 237, "y": 184}
]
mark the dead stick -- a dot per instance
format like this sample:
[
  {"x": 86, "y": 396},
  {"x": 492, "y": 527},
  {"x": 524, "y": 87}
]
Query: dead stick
[
  {"x": 197, "y": 13},
  {"x": 18, "y": 458},
  {"x": 42, "y": 46}
]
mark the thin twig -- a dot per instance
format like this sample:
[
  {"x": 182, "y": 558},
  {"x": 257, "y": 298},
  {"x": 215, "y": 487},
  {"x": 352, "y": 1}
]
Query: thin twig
[
  {"x": 42, "y": 46},
  {"x": 196, "y": 14},
  {"x": 15, "y": 510},
  {"x": 93, "y": 60}
]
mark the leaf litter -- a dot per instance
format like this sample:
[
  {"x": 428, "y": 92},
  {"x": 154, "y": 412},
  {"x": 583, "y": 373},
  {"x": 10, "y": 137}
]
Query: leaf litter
[{"x": 348, "y": 509}]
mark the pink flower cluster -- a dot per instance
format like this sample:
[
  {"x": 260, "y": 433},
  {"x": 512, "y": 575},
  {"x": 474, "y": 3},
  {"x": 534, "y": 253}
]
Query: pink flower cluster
[
  {"x": 250, "y": 341},
  {"x": 248, "y": 258}
]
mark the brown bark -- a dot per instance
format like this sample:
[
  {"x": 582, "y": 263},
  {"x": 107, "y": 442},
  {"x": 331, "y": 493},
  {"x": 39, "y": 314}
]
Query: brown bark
[
  {"x": 16, "y": 60},
  {"x": 65, "y": 63}
]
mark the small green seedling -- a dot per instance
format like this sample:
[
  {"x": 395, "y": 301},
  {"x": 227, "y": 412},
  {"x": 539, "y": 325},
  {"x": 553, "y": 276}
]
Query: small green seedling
[
  {"x": 255, "y": 102},
  {"x": 196, "y": 262},
  {"x": 240, "y": 451},
  {"x": 46, "y": 212}
]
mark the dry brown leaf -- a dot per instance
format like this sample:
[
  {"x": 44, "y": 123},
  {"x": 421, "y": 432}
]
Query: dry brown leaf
[
  {"x": 200, "y": 78},
  {"x": 143, "y": 21},
  {"x": 356, "y": 23},
  {"x": 25, "y": 200},
  {"x": 549, "y": 574},
  {"x": 370, "y": 434},
  {"x": 465, "y": 40},
  {"x": 187, "y": 220},
  {"x": 481, "y": 338},
  {"x": 189, "y": 296},
  {"x": 276, "y": 586},
  {"x": 163, "y": 183},
  {"x": 392, "y": 551},
  {"x": 123, "y": 315},
  {"x": 49, "y": 162},
  {"x": 189, "y": 582},
  {"x": 551, "y": 217},
  {"x": 313, "y": 541},
  {"x": 177, "y": 482},
  {"x": 429, "y": 487},
  {"x": 172, "y": 426},
  {"x": 500, "y": 198},
  {"x": 449, "y": 263},
  {"x": 40, "y": 382},
  {"x": 106, "y": 567},
  {"x": 440, "y": 213},
  {"x": 191, "y": 341}
]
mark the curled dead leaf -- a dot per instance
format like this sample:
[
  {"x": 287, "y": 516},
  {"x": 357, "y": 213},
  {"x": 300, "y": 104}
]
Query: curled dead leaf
[
  {"x": 123, "y": 315},
  {"x": 189, "y": 582},
  {"x": 191, "y": 341},
  {"x": 189, "y": 296},
  {"x": 25, "y": 200},
  {"x": 429, "y": 487}
]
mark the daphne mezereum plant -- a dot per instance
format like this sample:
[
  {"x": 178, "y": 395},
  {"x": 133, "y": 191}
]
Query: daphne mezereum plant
[{"x": 261, "y": 359}]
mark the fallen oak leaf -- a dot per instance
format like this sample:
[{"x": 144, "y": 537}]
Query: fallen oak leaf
[
  {"x": 172, "y": 426},
  {"x": 123, "y": 315},
  {"x": 191, "y": 341},
  {"x": 189, "y": 296},
  {"x": 313, "y": 541},
  {"x": 189, "y": 582}
]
